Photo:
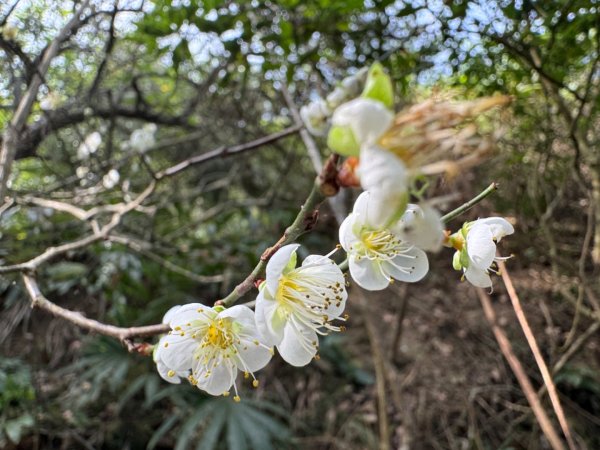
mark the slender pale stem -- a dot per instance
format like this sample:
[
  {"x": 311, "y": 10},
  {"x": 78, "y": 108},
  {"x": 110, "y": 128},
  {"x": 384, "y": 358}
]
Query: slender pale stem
[
  {"x": 468, "y": 205},
  {"x": 303, "y": 222}
]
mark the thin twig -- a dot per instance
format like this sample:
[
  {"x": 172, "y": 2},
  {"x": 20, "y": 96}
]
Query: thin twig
[
  {"x": 468, "y": 205},
  {"x": 539, "y": 359},
  {"x": 11, "y": 136},
  {"x": 39, "y": 301},
  {"x": 519, "y": 371},
  {"x": 335, "y": 202},
  {"x": 304, "y": 221},
  {"x": 100, "y": 234},
  {"x": 223, "y": 152}
]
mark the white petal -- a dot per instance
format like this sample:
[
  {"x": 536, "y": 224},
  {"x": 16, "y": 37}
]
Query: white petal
[
  {"x": 240, "y": 314},
  {"x": 190, "y": 312},
  {"x": 410, "y": 267},
  {"x": 421, "y": 227},
  {"x": 382, "y": 170},
  {"x": 368, "y": 274},
  {"x": 385, "y": 176},
  {"x": 368, "y": 119},
  {"x": 480, "y": 246},
  {"x": 499, "y": 226},
  {"x": 170, "y": 313},
  {"x": 384, "y": 206},
  {"x": 177, "y": 352},
  {"x": 478, "y": 277},
  {"x": 163, "y": 371},
  {"x": 252, "y": 357},
  {"x": 346, "y": 234},
  {"x": 268, "y": 322},
  {"x": 325, "y": 272},
  {"x": 276, "y": 264},
  {"x": 221, "y": 376},
  {"x": 296, "y": 348}
]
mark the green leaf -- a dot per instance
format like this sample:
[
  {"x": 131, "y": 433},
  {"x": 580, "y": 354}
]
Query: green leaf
[
  {"x": 341, "y": 140},
  {"x": 379, "y": 86},
  {"x": 161, "y": 431},
  {"x": 210, "y": 435},
  {"x": 235, "y": 433}
]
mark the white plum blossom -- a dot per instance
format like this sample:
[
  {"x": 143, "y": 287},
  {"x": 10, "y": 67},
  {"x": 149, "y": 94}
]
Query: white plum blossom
[
  {"x": 377, "y": 255},
  {"x": 380, "y": 171},
  {"x": 213, "y": 345},
  {"x": 111, "y": 179},
  {"x": 89, "y": 146},
  {"x": 315, "y": 116},
  {"x": 296, "y": 304},
  {"x": 368, "y": 119},
  {"x": 421, "y": 226},
  {"x": 476, "y": 248}
]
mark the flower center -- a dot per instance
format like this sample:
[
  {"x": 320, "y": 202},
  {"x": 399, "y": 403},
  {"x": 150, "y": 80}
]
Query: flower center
[
  {"x": 219, "y": 334},
  {"x": 287, "y": 289},
  {"x": 379, "y": 244}
]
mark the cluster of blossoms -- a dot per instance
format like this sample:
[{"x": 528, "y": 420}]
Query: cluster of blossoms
[
  {"x": 385, "y": 237},
  {"x": 210, "y": 345}
]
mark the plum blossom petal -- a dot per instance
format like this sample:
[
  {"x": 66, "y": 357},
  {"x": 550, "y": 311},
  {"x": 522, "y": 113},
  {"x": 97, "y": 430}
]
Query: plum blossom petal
[
  {"x": 295, "y": 304},
  {"x": 376, "y": 254},
  {"x": 210, "y": 346},
  {"x": 368, "y": 119},
  {"x": 476, "y": 248},
  {"x": 422, "y": 226},
  {"x": 299, "y": 344}
]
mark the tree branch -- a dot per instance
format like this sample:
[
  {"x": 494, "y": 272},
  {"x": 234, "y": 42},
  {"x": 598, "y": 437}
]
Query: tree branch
[
  {"x": 102, "y": 233},
  {"x": 224, "y": 152},
  {"x": 11, "y": 136},
  {"x": 304, "y": 221},
  {"x": 122, "y": 334}
]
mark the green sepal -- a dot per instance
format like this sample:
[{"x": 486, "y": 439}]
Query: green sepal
[
  {"x": 342, "y": 141},
  {"x": 291, "y": 265},
  {"x": 379, "y": 86},
  {"x": 464, "y": 258},
  {"x": 219, "y": 308},
  {"x": 456, "y": 261}
]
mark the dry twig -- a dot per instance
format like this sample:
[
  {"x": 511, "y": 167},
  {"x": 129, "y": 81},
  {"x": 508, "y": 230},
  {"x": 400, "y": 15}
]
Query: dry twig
[{"x": 519, "y": 371}]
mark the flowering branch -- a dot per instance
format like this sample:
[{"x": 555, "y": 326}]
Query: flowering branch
[
  {"x": 468, "y": 205},
  {"x": 304, "y": 221}
]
